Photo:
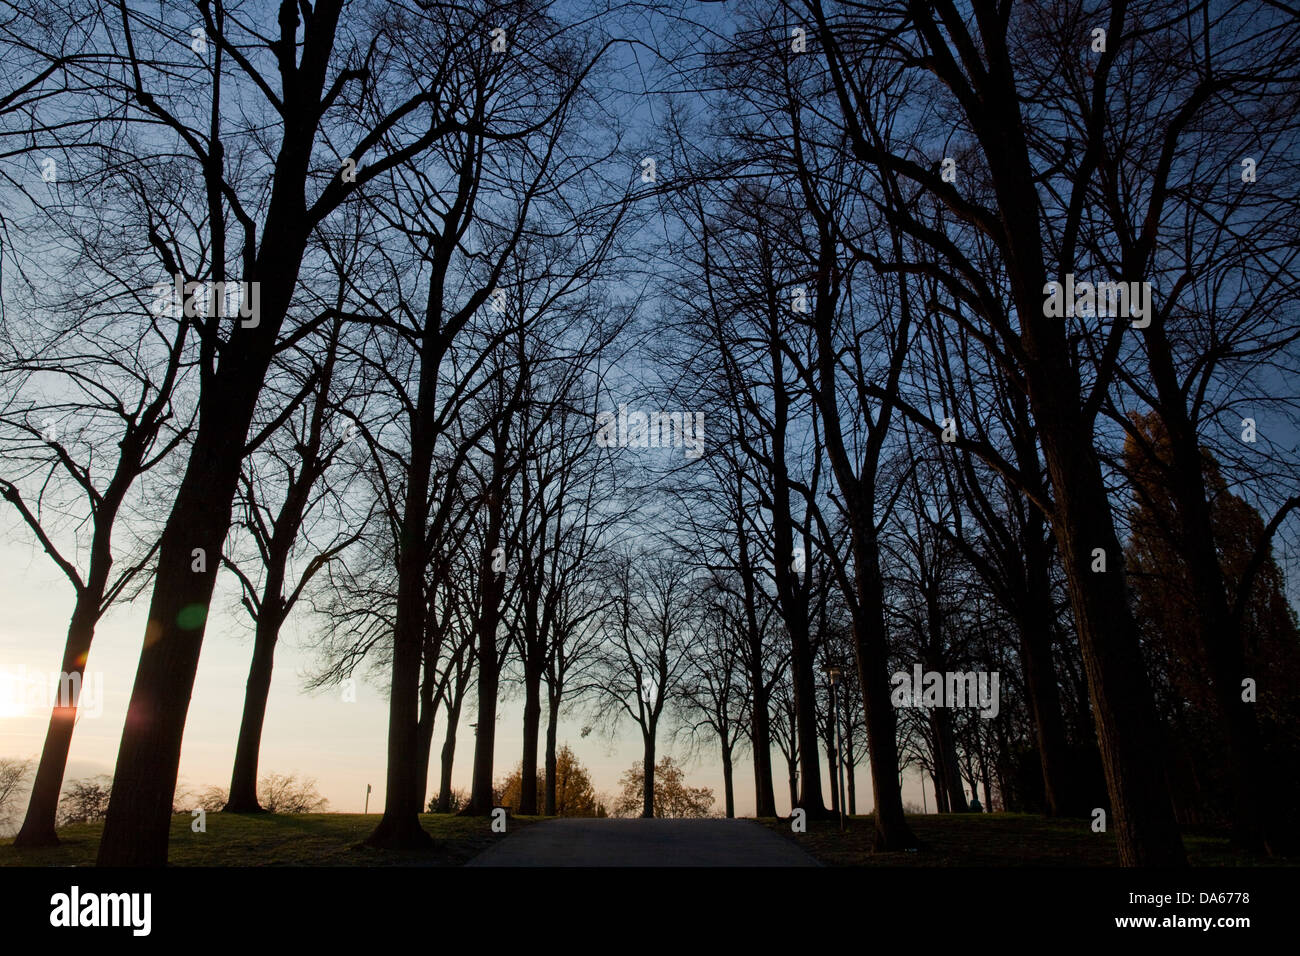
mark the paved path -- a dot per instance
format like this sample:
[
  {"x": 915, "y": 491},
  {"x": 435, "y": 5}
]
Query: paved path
[{"x": 644, "y": 843}]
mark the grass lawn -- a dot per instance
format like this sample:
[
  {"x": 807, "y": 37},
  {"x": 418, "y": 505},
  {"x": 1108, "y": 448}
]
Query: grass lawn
[
  {"x": 267, "y": 839},
  {"x": 993, "y": 839},
  {"x": 333, "y": 839}
]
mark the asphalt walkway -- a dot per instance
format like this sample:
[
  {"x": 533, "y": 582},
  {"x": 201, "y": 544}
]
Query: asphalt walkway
[{"x": 638, "y": 842}]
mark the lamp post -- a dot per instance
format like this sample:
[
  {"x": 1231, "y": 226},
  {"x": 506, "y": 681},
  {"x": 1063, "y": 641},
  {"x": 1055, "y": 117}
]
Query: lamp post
[{"x": 833, "y": 673}]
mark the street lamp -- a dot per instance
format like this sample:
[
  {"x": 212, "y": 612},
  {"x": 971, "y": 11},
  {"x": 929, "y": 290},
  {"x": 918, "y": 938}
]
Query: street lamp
[{"x": 833, "y": 673}]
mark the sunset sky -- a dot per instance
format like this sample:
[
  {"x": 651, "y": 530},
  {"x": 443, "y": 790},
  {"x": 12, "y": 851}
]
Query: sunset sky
[{"x": 342, "y": 745}]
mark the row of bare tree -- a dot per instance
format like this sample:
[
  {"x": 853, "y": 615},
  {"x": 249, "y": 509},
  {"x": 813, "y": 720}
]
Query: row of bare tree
[{"x": 870, "y": 235}]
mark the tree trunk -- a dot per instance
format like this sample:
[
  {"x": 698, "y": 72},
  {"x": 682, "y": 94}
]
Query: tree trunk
[
  {"x": 648, "y": 784},
  {"x": 482, "y": 797},
  {"x": 941, "y": 721},
  {"x": 973, "y": 779},
  {"x": 727, "y": 788},
  {"x": 43, "y": 806},
  {"x": 832, "y": 769},
  {"x": 1049, "y": 723},
  {"x": 424, "y": 729},
  {"x": 940, "y": 778},
  {"x": 144, "y": 781},
  {"x": 792, "y": 769},
  {"x": 761, "y": 739},
  {"x": 870, "y": 641},
  {"x": 491, "y": 586},
  {"x": 761, "y": 716},
  {"x": 399, "y": 828},
  {"x": 805, "y": 703},
  {"x": 448, "y": 758},
  {"x": 1001, "y": 766},
  {"x": 552, "y": 727},
  {"x": 243, "y": 778},
  {"x": 532, "y": 724}
]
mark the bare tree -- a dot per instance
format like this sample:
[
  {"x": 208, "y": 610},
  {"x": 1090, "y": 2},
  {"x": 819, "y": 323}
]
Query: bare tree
[
  {"x": 13, "y": 784},
  {"x": 981, "y": 93},
  {"x": 293, "y": 498},
  {"x": 96, "y": 399},
  {"x": 710, "y": 699},
  {"x": 311, "y": 91},
  {"x": 648, "y": 630}
]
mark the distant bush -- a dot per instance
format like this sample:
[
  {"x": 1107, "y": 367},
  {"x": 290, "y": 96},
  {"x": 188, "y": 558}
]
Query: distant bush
[
  {"x": 13, "y": 784},
  {"x": 86, "y": 800},
  {"x": 281, "y": 793},
  {"x": 212, "y": 799},
  {"x": 457, "y": 802}
]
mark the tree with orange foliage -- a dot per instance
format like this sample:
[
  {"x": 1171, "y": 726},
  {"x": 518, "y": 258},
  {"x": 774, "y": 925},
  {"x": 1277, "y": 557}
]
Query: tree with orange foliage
[
  {"x": 672, "y": 797},
  {"x": 574, "y": 794}
]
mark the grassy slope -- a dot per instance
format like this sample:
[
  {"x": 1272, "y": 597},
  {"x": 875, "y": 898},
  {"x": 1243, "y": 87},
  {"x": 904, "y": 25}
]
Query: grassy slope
[
  {"x": 312, "y": 839},
  {"x": 992, "y": 839}
]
